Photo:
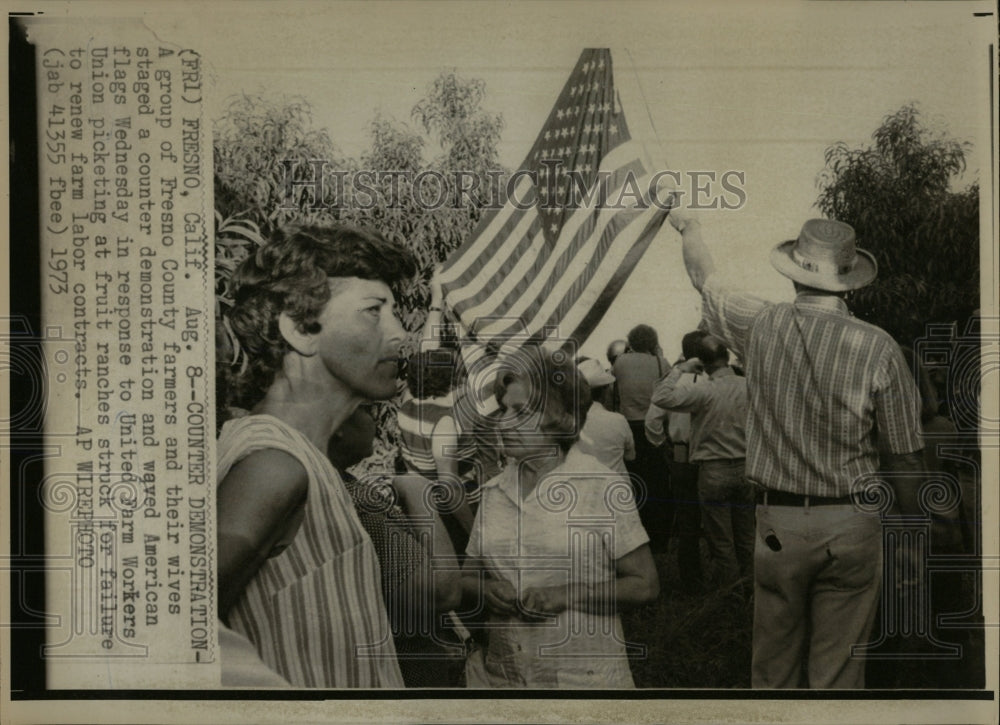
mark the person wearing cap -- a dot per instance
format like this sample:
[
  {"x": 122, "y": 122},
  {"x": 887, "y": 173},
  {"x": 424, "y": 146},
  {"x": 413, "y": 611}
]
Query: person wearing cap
[
  {"x": 606, "y": 435},
  {"x": 825, "y": 391}
]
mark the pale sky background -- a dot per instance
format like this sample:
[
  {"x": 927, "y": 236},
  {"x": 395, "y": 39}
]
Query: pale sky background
[{"x": 763, "y": 88}]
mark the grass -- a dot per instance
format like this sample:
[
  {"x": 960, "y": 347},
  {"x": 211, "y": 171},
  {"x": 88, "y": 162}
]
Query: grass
[
  {"x": 692, "y": 640},
  {"x": 704, "y": 640}
]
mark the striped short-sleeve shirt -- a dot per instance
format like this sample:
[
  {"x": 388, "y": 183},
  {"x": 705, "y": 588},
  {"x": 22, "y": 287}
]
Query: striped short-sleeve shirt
[
  {"x": 824, "y": 389},
  {"x": 418, "y": 419},
  {"x": 314, "y": 611}
]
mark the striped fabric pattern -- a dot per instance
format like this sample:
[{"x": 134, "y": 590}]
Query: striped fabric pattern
[
  {"x": 417, "y": 420},
  {"x": 315, "y": 611},
  {"x": 822, "y": 385},
  {"x": 548, "y": 265}
]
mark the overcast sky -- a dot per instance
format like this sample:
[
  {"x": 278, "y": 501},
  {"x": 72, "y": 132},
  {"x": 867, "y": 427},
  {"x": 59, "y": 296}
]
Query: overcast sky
[{"x": 762, "y": 88}]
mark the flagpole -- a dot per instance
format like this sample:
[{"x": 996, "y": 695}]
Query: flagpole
[{"x": 629, "y": 88}]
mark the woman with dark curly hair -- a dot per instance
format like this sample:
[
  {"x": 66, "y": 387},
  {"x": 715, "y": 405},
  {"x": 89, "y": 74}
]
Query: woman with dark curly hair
[
  {"x": 557, "y": 549},
  {"x": 298, "y": 576}
]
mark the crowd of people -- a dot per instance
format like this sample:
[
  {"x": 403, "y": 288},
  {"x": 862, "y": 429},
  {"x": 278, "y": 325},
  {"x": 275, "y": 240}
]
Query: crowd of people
[{"x": 502, "y": 549}]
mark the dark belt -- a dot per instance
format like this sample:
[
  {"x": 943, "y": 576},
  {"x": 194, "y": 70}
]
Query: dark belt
[{"x": 785, "y": 498}]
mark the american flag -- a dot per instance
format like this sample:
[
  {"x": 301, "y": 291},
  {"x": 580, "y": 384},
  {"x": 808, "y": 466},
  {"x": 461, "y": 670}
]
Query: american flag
[{"x": 548, "y": 264}]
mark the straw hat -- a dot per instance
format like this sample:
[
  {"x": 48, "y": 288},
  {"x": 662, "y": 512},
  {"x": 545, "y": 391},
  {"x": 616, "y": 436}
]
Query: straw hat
[
  {"x": 824, "y": 257},
  {"x": 595, "y": 375}
]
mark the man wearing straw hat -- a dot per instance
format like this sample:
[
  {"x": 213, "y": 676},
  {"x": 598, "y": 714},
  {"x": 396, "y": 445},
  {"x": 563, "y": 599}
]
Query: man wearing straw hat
[{"x": 822, "y": 385}]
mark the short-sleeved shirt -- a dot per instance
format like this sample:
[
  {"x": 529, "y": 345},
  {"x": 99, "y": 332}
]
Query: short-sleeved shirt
[
  {"x": 607, "y": 437},
  {"x": 418, "y": 421},
  {"x": 823, "y": 388},
  {"x": 718, "y": 409},
  {"x": 635, "y": 375},
  {"x": 576, "y": 523}
]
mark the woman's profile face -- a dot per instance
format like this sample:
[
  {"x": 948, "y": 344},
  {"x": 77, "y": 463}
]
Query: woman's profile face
[{"x": 360, "y": 337}]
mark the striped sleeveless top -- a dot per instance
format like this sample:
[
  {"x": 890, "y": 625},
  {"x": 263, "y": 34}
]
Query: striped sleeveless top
[{"x": 314, "y": 611}]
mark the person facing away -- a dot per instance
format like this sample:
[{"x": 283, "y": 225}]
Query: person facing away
[
  {"x": 823, "y": 389},
  {"x": 314, "y": 315},
  {"x": 671, "y": 433},
  {"x": 420, "y": 576},
  {"x": 431, "y": 443},
  {"x": 606, "y": 435},
  {"x": 636, "y": 372},
  {"x": 718, "y": 409},
  {"x": 615, "y": 350}
]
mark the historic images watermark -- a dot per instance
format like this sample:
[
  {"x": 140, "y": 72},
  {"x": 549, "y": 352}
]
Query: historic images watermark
[{"x": 552, "y": 186}]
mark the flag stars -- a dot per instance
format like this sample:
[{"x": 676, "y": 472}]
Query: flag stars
[{"x": 560, "y": 114}]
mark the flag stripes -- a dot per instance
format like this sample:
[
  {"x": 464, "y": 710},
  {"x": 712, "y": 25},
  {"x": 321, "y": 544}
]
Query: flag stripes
[{"x": 550, "y": 262}]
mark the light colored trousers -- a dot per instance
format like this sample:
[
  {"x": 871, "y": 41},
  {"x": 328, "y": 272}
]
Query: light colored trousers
[{"x": 816, "y": 596}]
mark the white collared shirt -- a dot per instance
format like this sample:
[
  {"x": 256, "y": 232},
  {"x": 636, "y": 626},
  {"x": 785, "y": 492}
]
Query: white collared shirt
[{"x": 573, "y": 526}]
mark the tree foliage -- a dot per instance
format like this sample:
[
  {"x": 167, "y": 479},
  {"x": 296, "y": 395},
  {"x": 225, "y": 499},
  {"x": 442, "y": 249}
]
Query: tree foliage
[
  {"x": 427, "y": 210},
  {"x": 899, "y": 196},
  {"x": 452, "y": 113},
  {"x": 257, "y": 140},
  {"x": 259, "y": 146}
]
